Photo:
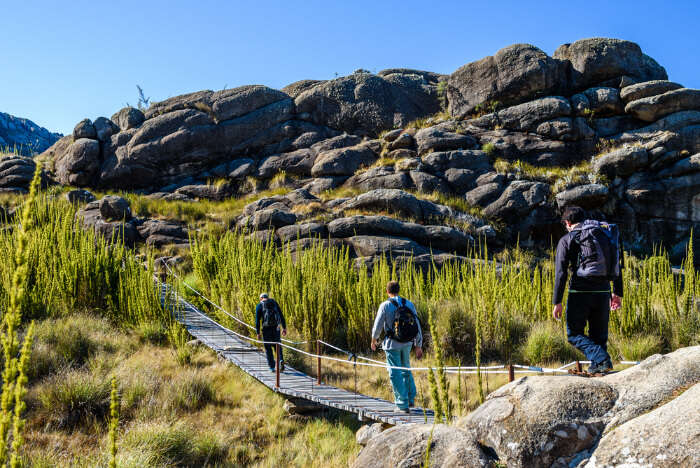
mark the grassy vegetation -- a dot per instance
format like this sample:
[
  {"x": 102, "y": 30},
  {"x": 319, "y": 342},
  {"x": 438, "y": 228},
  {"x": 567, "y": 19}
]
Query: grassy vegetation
[
  {"x": 560, "y": 178},
  {"x": 325, "y": 297}
]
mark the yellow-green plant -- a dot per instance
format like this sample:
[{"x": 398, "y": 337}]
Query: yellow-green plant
[
  {"x": 14, "y": 378},
  {"x": 113, "y": 423}
]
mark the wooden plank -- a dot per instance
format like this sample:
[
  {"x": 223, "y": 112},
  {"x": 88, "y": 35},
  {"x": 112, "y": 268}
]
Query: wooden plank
[{"x": 293, "y": 383}]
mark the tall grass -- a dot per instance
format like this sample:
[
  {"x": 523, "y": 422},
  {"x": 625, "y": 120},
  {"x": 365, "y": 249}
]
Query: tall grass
[{"x": 324, "y": 296}]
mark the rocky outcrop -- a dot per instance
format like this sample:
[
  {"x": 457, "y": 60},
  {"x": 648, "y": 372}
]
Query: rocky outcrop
[
  {"x": 24, "y": 136},
  {"x": 16, "y": 172},
  {"x": 561, "y": 421},
  {"x": 111, "y": 218},
  {"x": 514, "y": 116}
]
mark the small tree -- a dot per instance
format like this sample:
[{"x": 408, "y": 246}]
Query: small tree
[{"x": 144, "y": 102}]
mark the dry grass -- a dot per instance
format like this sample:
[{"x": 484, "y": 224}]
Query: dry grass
[
  {"x": 207, "y": 413},
  {"x": 560, "y": 178}
]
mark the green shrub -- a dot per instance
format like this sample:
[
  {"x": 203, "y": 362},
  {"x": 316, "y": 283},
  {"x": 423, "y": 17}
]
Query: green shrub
[
  {"x": 163, "y": 444},
  {"x": 189, "y": 391},
  {"x": 74, "y": 399},
  {"x": 635, "y": 348},
  {"x": 547, "y": 343},
  {"x": 489, "y": 148},
  {"x": 152, "y": 331}
]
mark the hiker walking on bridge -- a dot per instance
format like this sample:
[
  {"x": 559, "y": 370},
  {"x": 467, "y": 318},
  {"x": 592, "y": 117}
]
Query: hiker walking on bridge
[
  {"x": 398, "y": 319},
  {"x": 269, "y": 314},
  {"x": 592, "y": 250}
]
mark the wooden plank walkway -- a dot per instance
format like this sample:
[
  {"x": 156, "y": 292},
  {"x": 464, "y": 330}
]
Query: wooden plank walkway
[{"x": 293, "y": 383}]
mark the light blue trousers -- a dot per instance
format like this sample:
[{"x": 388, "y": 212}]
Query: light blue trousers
[{"x": 401, "y": 380}]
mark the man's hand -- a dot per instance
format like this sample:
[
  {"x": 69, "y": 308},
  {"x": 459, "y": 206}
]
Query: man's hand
[
  {"x": 284, "y": 332},
  {"x": 556, "y": 312},
  {"x": 373, "y": 345},
  {"x": 615, "y": 302},
  {"x": 419, "y": 353}
]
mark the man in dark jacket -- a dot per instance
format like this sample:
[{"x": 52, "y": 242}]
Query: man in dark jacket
[
  {"x": 589, "y": 301},
  {"x": 268, "y": 314}
]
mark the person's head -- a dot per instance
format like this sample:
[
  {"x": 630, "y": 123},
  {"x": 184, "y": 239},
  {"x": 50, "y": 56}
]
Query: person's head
[
  {"x": 572, "y": 216},
  {"x": 392, "y": 288},
  {"x": 263, "y": 297}
]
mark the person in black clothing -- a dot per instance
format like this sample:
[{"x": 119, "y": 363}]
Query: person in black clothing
[
  {"x": 589, "y": 301},
  {"x": 269, "y": 314}
]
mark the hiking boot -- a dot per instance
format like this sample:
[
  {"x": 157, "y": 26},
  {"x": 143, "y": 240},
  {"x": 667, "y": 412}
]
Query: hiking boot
[
  {"x": 403, "y": 410},
  {"x": 601, "y": 368},
  {"x": 281, "y": 366},
  {"x": 272, "y": 369}
]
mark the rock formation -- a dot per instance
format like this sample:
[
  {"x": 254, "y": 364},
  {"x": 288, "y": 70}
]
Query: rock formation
[
  {"x": 633, "y": 418},
  {"x": 521, "y": 135}
]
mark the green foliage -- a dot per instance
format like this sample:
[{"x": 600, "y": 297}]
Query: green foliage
[
  {"x": 178, "y": 337},
  {"x": 488, "y": 107},
  {"x": 489, "y": 148},
  {"x": 635, "y": 348},
  {"x": 442, "y": 94},
  {"x": 445, "y": 405},
  {"x": 160, "y": 444},
  {"x": 547, "y": 343},
  {"x": 74, "y": 398},
  {"x": 190, "y": 391},
  {"x": 113, "y": 423}
]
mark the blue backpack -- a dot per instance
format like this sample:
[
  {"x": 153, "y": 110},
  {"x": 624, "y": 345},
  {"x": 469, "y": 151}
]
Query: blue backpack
[{"x": 599, "y": 256}]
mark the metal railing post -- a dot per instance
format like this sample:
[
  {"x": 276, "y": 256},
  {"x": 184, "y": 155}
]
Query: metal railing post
[
  {"x": 277, "y": 371},
  {"x": 318, "y": 362},
  {"x": 578, "y": 366},
  {"x": 511, "y": 373}
]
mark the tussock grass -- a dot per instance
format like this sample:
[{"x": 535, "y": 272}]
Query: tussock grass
[
  {"x": 547, "y": 343},
  {"x": 635, "y": 348},
  {"x": 560, "y": 178},
  {"x": 74, "y": 398},
  {"x": 189, "y": 391}
]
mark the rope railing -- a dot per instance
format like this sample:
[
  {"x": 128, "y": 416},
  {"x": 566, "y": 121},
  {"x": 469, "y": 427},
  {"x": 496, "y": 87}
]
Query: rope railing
[{"x": 352, "y": 360}]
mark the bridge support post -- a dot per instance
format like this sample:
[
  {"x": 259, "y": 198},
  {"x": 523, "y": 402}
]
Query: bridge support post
[
  {"x": 578, "y": 367},
  {"x": 277, "y": 369},
  {"x": 511, "y": 373},
  {"x": 318, "y": 363}
]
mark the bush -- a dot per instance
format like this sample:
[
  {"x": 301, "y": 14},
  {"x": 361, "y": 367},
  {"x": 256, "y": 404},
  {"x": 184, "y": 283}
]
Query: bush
[
  {"x": 635, "y": 348},
  {"x": 162, "y": 444},
  {"x": 190, "y": 391},
  {"x": 74, "y": 398},
  {"x": 456, "y": 331},
  {"x": 152, "y": 331},
  {"x": 547, "y": 343}
]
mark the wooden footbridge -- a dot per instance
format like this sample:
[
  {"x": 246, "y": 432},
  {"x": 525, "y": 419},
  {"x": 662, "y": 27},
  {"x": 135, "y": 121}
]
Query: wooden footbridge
[
  {"x": 292, "y": 383},
  {"x": 240, "y": 350}
]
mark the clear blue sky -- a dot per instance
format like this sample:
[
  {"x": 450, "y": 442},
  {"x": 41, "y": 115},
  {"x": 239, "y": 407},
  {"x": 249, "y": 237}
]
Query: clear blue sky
[{"x": 63, "y": 61}]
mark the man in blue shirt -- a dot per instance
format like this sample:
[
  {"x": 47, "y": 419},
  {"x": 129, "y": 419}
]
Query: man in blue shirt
[{"x": 397, "y": 352}]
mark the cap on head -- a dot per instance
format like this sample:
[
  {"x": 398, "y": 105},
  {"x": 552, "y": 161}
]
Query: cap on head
[{"x": 263, "y": 295}]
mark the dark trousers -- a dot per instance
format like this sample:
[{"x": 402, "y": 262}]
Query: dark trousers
[
  {"x": 271, "y": 334},
  {"x": 593, "y": 309}
]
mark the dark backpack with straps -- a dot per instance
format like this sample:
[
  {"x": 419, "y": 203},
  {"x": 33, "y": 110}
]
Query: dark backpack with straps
[
  {"x": 599, "y": 256},
  {"x": 270, "y": 316},
  {"x": 405, "y": 325}
]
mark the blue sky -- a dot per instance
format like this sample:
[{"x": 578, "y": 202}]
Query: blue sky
[{"x": 63, "y": 61}]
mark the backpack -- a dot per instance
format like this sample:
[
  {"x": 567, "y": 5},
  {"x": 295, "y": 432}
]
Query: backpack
[
  {"x": 270, "y": 318},
  {"x": 405, "y": 326},
  {"x": 600, "y": 250}
]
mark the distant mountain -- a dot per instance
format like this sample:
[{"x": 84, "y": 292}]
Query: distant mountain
[{"x": 25, "y": 135}]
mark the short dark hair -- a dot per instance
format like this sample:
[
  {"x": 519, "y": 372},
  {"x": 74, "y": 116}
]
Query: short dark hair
[
  {"x": 392, "y": 287},
  {"x": 573, "y": 214}
]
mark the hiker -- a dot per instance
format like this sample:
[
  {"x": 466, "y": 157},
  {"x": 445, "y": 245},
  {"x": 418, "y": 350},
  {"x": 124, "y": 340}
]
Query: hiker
[
  {"x": 269, "y": 314},
  {"x": 593, "y": 251},
  {"x": 398, "y": 319}
]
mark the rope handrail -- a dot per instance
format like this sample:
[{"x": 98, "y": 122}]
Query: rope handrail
[{"x": 497, "y": 369}]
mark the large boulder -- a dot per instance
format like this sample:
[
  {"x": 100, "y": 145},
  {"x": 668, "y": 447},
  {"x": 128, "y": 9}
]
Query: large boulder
[
  {"x": 366, "y": 104},
  {"x": 405, "y": 446},
  {"x": 513, "y": 75},
  {"x": 586, "y": 196},
  {"x": 434, "y": 139},
  {"x": 652, "y": 108},
  {"x": 128, "y": 118},
  {"x": 343, "y": 161},
  {"x": 398, "y": 201},
  {"x": 297, "y": 162},
  {"x": 527, "y": 116},
  {"x": 621, "y": 162},
  {"x": 80, "y": 164},
  {"x": 115, "y": 208},
  {"x": 439, "y": 162},
  {"x": 518, "y": 200},
  {"x": 84, "y": 129},
  {"x": 370, "y": 246},
  {"x": 595, "y": 60},
  {"x": 668, "y": 436},
  {"x": 302, "y": 231},
  {"x": 380, "y": 177},
  {"x": 16, "y": 172},
  {"x": 647, "y": 89}
]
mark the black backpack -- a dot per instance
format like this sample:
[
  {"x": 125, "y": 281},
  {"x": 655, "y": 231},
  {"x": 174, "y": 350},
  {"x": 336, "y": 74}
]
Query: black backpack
[
  {"x": 405, "y": 326},
  {"x": 600, "y": 250},
  {"x": 270, "y": 318}
]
